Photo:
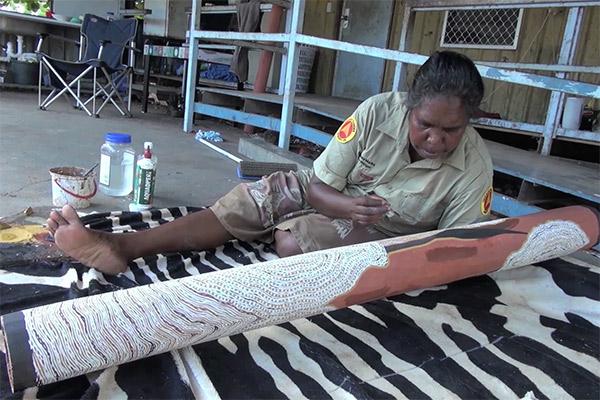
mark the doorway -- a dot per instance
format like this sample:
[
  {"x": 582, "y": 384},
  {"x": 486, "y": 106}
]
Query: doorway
[{"x": 363, "y": 22}]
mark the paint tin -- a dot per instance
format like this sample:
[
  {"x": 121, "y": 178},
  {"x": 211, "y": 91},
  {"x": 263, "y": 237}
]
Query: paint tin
[{"x": 70, "y": 186}]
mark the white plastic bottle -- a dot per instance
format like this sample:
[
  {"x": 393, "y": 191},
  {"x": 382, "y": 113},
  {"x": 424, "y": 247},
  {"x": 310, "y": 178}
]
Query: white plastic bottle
[
  {"x": 117, "y": 158},
  {"x": 145, "y": 180}
]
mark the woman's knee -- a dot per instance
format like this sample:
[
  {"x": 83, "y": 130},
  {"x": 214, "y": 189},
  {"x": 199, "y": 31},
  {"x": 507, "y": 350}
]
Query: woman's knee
[{"x": 285, "y": 244}]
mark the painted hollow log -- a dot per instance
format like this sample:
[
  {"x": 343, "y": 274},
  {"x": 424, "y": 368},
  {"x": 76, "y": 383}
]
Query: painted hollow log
[{"x": 62, "y": 340}]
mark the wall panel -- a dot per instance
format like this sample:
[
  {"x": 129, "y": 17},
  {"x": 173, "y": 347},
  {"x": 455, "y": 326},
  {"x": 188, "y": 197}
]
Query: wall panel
[{"x": 319, "y": 22}]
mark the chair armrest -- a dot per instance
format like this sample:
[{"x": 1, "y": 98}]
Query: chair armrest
[
  {"x": 104, "y": 42},
  {"x": 42, "y": 36}
]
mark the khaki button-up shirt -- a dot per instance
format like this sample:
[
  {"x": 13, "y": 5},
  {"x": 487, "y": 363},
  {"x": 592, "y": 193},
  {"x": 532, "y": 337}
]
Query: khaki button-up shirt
[{"x": 370, "y": 154}]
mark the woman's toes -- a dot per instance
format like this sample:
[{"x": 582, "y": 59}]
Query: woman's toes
[
  {"x": 69, "y": 214},
  {"x": 57, "y": 218},
  {"x": 52, "y": 225}
]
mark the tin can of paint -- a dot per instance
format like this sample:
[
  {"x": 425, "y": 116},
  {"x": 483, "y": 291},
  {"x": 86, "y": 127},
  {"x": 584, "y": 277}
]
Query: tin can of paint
[{"x": 71, "y": 187}]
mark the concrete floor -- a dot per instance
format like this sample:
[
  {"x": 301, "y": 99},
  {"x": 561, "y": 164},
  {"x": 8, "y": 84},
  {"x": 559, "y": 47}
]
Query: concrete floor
[{"x": 32, "y": 141}]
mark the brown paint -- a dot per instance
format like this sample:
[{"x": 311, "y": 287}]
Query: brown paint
[
  {"x": 423, "y": 264},
  {"x": 507, "y": 223},
  {"x": 446, "y": 254}
]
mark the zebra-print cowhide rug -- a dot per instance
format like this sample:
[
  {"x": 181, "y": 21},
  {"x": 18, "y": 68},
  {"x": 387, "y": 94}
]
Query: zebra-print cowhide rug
[{"x": 532, "y": 332}]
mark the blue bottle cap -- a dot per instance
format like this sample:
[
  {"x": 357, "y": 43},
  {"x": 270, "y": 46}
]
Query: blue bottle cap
[{"x": 117, "y": 138}]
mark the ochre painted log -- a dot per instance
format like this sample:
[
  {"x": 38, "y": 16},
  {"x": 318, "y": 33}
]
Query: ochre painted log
[{"x": 62, "y": 340}]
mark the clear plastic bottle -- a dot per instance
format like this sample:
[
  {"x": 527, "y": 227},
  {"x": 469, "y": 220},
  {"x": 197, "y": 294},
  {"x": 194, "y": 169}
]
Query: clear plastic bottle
[
  {"x": 117, "y": 158},
  {"x": 145, "y": 179}
]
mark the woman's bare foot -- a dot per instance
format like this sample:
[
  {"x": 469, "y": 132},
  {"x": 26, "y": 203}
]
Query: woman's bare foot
[{"x": 94, "y": 249}]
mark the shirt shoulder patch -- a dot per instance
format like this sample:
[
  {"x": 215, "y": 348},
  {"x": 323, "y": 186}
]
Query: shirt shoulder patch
[
  {"x": 347, "y": 131},
  {"x": 486, "y": 201}
]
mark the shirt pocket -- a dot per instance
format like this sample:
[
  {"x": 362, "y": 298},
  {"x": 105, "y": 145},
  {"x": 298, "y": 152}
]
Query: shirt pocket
[
  {"x": 418, "y": 209},
  {"x": 362, "y": 176}
]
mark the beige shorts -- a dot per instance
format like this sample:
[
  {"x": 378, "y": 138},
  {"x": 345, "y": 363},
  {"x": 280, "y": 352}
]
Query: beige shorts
[{"x": 253, "y": 211}]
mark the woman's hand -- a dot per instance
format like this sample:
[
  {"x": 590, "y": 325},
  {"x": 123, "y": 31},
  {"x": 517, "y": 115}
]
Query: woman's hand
[
  {"x": 368, "y": 210},
  {"x": 363, "y": 211}
]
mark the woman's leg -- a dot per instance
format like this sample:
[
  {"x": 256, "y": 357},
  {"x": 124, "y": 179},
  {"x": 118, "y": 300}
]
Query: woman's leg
[
  {"x": 312, "y": 232},
  {"x": 110, "y": 252},
  {"x": 285, "y": 244}
]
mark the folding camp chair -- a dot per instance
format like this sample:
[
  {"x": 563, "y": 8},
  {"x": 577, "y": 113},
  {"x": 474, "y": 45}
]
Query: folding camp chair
[{"x": 102, "y": 47}]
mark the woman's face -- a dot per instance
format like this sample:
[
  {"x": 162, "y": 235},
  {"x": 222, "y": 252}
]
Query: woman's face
[{"x": 436, "y": 126}]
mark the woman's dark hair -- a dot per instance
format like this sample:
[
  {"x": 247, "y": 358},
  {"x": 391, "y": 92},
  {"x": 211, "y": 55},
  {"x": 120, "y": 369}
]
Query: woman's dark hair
[{"x": 450, "y": 74}]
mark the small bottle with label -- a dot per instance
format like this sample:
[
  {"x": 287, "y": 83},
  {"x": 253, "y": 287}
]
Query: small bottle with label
[
  {"x": 117, "y": 158},
  {"x": 145, "y": 179}
]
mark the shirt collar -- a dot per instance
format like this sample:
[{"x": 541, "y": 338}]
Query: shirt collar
[
  {"x": 397, "y": 126},
  {"x": 457, "y": 157}
]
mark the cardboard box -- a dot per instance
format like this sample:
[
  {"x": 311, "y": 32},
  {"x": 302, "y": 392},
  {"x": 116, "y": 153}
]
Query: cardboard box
[{"x": 214, "y": 57}]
